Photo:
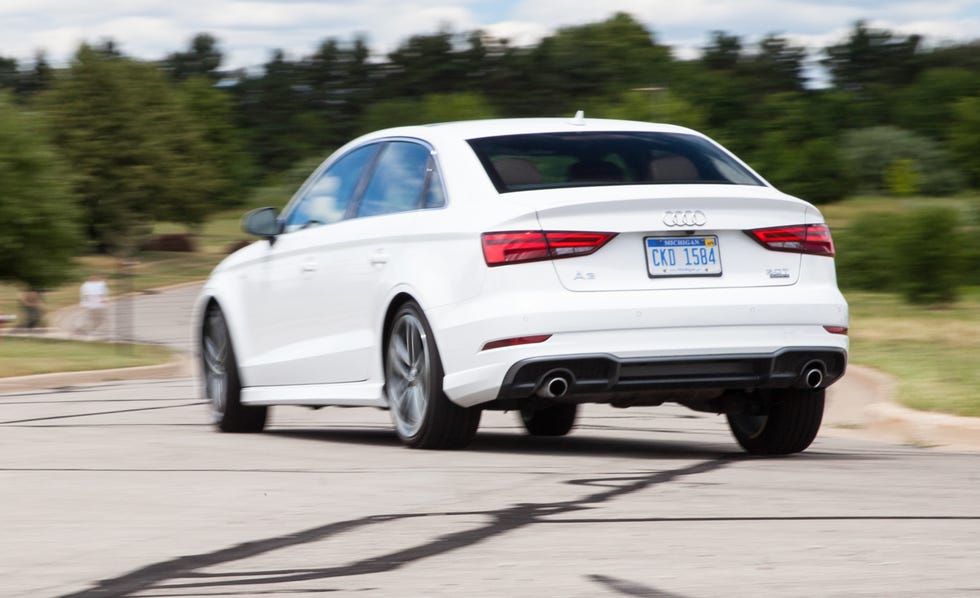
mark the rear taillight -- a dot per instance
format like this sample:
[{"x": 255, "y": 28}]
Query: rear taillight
[
  {"x": 800, "y": 238},
  {"x": 514, "y": 247}
]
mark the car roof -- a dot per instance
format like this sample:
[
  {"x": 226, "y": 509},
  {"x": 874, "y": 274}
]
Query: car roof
[{"x": 473, "y": 129}]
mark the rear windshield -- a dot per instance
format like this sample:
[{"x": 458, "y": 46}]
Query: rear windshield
[{"x": 550, "y": 160}]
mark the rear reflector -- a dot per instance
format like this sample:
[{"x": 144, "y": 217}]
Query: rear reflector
[
  {"x": 836, "y": 329},
  {"x": 519, "y": 340},
  {"x": 514, "y": 247},
  {"x": 813, "y": 239}
]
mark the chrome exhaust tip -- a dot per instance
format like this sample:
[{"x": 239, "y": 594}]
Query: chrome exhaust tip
[
  {"x": 813, "y": 375},
  {"x": 555, "y": 386}
]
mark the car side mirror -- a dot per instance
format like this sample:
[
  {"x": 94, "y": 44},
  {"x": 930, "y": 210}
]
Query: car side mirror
[{"x": 263, "y": 222}]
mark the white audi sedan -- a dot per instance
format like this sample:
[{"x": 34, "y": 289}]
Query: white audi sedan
[{"x": 530, "y": 265}]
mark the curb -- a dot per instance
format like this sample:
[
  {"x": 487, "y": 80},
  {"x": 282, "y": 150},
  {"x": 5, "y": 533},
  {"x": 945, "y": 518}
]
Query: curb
[
  {"x": 179, "y": 366},
  {"x": 862, "y": 406}
]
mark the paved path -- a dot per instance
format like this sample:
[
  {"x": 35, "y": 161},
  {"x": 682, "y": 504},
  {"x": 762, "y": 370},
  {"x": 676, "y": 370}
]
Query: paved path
[
  {"x": 161, "y": 317},
  {"x": 123, "y": 489}
]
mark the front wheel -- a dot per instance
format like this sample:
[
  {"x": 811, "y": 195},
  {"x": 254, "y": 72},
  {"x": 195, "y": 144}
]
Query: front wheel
[
  {"x": 423, "y": 415},
  {"x": 786, "y": 423},
  {"x": 222, "y": 387}
]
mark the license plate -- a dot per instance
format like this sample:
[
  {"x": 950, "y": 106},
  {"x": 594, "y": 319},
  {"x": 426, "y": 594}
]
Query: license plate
[{"x": 683, "y": 256}]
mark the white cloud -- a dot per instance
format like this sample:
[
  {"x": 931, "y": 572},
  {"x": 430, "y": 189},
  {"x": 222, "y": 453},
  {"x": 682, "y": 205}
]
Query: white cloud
[{"x": 248, "y": 30}]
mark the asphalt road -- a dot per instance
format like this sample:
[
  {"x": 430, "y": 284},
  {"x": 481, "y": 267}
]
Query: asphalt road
[{"x": 124, "y": 489}]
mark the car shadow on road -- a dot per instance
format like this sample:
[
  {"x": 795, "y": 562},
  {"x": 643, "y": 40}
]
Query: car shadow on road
[{"x": 572, "y": 445}]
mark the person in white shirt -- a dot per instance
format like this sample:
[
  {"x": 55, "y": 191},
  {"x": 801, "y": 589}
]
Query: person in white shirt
[{"x": 94, "y": 300}]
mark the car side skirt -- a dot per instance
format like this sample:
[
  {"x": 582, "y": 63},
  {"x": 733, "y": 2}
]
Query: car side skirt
[{"x": 357, "y": 394}]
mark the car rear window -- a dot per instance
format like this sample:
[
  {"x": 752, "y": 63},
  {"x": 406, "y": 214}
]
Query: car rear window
[{"x": 550, "y": 160}]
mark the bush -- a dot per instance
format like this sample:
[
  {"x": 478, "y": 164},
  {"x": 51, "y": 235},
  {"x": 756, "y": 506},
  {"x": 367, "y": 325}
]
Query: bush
[
  {"x": 866, "y": 253},
  {"x": 868, "y": 155},
  {"x": 181, "y": 242},
  {"x": 236, "y": 245},
  {"x": 931, "y": 256},
  {"x": 921, "y": 254}
]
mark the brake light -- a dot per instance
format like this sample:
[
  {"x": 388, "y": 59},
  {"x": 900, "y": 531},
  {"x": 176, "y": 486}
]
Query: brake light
[
  {"x": 836, "y": 329},
  {"x": 813, "y": 239},
  {"x": 514, "y": 247}
]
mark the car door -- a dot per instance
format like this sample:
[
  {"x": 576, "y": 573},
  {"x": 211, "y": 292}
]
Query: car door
[
  {"x": 297, "y": 292},
  {"x": 368, "y": 248}
]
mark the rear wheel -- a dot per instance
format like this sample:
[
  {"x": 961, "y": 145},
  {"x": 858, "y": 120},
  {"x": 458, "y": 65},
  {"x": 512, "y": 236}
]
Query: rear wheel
[
  {"x": 556, "y": 420},
  {"x": 785, "y": 423},
  {"x": 222, "y": 387},
  {"x": 423, "y": 415}
]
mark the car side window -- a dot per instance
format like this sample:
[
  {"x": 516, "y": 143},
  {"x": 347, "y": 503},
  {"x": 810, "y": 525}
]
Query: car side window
[
  {"x": 326, "y": 200},
  {"x": 398, "y": 180}
]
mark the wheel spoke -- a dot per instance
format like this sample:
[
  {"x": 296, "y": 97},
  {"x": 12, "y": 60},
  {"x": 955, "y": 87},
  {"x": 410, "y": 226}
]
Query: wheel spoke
[
  {"x": 410, "y": 341},
  {"x": 401, "y": 351},
  {"x": 418, "y": 400},
  {"x": 405, "y": 404},
  {"x": 400, "y": 368},
  {"x": 214, "y": 356}
]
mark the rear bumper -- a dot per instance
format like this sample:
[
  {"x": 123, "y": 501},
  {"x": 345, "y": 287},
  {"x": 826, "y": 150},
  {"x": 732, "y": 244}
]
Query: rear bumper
[
  {"x": 726, "y": 327},
  {"x": 603, "y": 375}
]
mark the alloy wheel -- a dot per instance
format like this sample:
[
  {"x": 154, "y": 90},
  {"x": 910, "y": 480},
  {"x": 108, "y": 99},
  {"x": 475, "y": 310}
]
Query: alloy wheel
[{"x": 407, "y": 370}]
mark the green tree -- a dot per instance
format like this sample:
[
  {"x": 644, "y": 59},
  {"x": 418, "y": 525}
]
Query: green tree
[
  {"x": 872, "y": 57},
  {"x": 202, "y": 59},
  {"x": 654, "y": 104},
  {"x": 926, "y": 106},
  {"x": 40, "y": 216},
  {"x": 211, "y": 111},
  {"x": 723, "y": 52},
  {"x": 137, "y": 154},
  {"x": 777, "y": 66},
  {"x": 9, "y": 73},
  {"x": 964, "y": 137},
  {"x": 430, "y": 108},
  {"x": 277, "y": 110},
  {"x": 577, "y": 65}
]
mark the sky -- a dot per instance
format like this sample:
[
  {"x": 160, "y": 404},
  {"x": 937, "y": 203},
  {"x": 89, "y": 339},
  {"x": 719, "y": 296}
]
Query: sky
[{"x": 248, "y": 30}]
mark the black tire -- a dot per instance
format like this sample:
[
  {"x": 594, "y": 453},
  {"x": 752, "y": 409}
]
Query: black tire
[
  {"x": 556, "y": 420},
  {"x": 222, "y": 386},
  {"x": 423, "y": 415},
  {"x": 786, "y": 423}
]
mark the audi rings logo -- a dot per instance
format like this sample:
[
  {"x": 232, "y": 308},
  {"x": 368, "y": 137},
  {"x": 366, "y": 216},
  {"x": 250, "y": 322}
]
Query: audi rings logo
[{"x": 684, "y": 218}]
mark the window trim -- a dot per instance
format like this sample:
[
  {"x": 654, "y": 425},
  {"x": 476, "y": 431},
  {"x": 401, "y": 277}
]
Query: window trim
[
  {"x": 433, "y": 160},
  {"x": 314, "y": 177}
]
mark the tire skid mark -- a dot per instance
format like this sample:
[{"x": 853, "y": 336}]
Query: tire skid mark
[
  {"x": 114, "y": 411},
  {"x": 502, "y": 521},
  {"x": 630, "y": 588}
]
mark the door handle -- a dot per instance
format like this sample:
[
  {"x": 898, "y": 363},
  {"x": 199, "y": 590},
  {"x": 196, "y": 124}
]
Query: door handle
[
  {"x": 309, "y": 266},
  {"x": 379, "y": 258}
]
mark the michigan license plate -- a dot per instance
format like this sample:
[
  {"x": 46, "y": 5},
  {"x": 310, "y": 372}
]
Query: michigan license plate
[{"x": 683, "y": 256}]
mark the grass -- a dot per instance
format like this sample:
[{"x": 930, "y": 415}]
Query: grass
[
  {"x": 841, "y": 214},
  {"x": 20, "y": 356},
  {"x": 934, "y": 352}
]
